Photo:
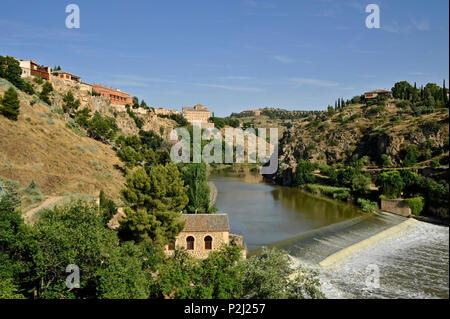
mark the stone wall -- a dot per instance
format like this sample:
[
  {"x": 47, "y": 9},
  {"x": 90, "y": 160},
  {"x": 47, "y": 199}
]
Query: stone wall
[
  {"x": 395, "y": 206},
  {"x": 218, "y": 239}
]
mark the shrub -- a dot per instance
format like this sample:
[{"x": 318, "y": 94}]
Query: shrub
[
  {"x": 33, "y": 193},
  {"x": 416, "y": 204},
  {"x": 435, "y": 163},
  {"x": 304, "y": 174},
  {"x": 38, "y": 80},
  {"x": 410, "y": 154},
  {"x": 385, "y": 161},
  {"x": 9, "y": 191},
  {"x": 70, "y": 104},
  {"x": 367, "y": 205},
  {"x": 339, "y": 193}
]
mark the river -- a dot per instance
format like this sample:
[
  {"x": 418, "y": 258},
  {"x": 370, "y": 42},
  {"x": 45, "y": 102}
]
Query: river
[{"x": 413, "y": 264}]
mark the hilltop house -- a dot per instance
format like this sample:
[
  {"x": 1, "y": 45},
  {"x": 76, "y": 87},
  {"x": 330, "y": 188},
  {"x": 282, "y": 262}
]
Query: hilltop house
[
  {"x": 375, "y": 93},
  {"x": 66, "y": 75},
  {"x": 31, "y": 68},
  {"x": 198, "y": 115},
  {"x": 204, "y": 233},
  {"x": 115, "y": 96}
]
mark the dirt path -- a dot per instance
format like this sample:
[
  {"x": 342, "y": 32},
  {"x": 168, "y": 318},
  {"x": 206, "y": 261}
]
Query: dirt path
[{"x": 28, "y": 216}]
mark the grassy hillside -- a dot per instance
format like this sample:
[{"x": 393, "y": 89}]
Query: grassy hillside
[{"x": 40, "y": 147}]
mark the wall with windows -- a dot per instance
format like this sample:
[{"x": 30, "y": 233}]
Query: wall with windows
[{"x": 201, "y": 248}]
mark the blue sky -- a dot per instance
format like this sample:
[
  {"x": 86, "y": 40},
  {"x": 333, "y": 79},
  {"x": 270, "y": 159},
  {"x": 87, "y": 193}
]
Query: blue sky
[{"x": 232, "y": 55}]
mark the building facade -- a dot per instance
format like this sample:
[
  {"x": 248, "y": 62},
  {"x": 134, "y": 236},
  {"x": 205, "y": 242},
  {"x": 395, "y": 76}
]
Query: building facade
[
  {"x": 115, "y": 96},
  {"x": 31, "y": 68},
  {"x": 66, "y": 75},
  {"x": 164, "y": 111},
  {"x": 375, "y": 93},
  {"x": 204, "y": 233},
  {"x": 197, "y": 114}
]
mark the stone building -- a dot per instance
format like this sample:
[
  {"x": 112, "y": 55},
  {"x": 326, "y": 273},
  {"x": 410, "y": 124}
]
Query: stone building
[
  {"x": 197, "y": 114},
  {"x": 31, "y": 68},
  {"x": 375, "y": 93},
  {"x": 204, "y": 233},
  {"x": 164, "y": 111},
  {"x": 115, "y": 96}
]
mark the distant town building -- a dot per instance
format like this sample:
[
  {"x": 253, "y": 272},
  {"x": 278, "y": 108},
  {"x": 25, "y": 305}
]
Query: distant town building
[
  {"x": 197, "y": 114},
  {"x": 31, "y": 68},
  {"x": 204, "y": 233},
  {"x": 255, "y": 112},
  {"x": 66, "y": 75},
  {"x": 115, "y": 96},
  {"x": 164, "y": 111},
  {"x": 375, "y": 93}
]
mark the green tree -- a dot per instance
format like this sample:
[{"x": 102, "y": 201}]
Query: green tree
[
  {"x": 410, "y": 155},
  {"x": 70, "y": 104},
  {"x": 155, "y": 202},
  {"x": 71, "y": 234},
  {"x": 10, "y": 104},
  {"x": 194, "y": 176},
  {"x": 107, "y": 207},
  {"x": 100, "y": 127},
  {"x": 47, "y": 88},
  {"x": 391, "y": 184},
  {"x": 304, "y": 173},
  {"x": 10, "y": 69},
  {"x": 123, "y": 275},
  {"x": 15, "y": 259}
]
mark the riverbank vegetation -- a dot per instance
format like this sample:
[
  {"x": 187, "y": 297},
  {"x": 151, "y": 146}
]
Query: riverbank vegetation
[
  {"x": 34, "y": 260},
  {"x": 394, "y": 146}
]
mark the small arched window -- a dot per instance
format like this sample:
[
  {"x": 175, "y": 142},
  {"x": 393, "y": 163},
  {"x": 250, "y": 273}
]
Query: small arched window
[
  {"x": 208, "y": 243},
  {"x": 172, "y": 245},
  {"x": 190, "y": 243}
]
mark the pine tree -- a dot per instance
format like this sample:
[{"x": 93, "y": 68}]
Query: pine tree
[
  {"x": 10, "y": 104},
  {"x": 444, "y": 93},
  {"x": 155, "y": 201}
]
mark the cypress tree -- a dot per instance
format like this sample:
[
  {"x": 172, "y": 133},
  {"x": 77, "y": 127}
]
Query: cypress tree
[
  {"x": 444, "y": 93},
  {"x": 10, "y": 104}
]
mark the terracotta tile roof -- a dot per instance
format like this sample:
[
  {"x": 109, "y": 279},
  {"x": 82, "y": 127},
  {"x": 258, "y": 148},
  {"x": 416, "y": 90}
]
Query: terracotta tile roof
[{"x": 205, "y": 222}]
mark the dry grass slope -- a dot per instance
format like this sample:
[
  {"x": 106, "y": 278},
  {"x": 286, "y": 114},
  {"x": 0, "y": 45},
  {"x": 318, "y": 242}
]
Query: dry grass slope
[{"x": 39, "y": 146}]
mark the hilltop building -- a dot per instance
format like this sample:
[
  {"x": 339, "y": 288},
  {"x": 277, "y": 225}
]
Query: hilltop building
[
  {"x": 204, "y": 233},
  {"x": 31, "y": 68},
  {"x": 375, "y": 93},
  {"x": 115, "y": 96},
  {"x": 164, "y": 111},
  {"x": 198, "y": 115},
  {"x": 66, "y": 75},
  {"x": 255, "y": 112}
]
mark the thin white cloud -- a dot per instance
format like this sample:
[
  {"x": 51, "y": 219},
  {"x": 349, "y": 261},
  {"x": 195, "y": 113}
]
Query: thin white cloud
[
  {"x": 235, "y": 77},
  {"x": 228, "y": 87},
  {"x": 283, "y": 59},
  {"x": 312, "y": 82}
]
